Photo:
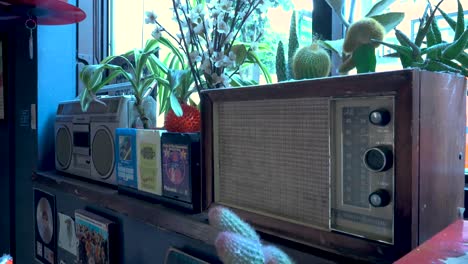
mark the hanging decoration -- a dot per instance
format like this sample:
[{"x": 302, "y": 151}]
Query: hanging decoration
[{"x": 40, "y": 12}]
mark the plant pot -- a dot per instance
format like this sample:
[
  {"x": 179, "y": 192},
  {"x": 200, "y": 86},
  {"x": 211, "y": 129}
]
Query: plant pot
[{"x": 149, "y": 106}]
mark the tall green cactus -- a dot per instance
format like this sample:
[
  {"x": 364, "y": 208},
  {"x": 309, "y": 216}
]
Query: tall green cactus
[
  {"x": 284, "y": 72},
  {"x": 280, "y": 63},
  {"x": 293, "y": 43}
]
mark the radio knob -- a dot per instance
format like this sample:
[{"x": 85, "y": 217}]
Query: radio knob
[
  {"x": 379, "y": 198},
  {"x": 380, "y": 117},
  {"x": 378, "y": 158}
]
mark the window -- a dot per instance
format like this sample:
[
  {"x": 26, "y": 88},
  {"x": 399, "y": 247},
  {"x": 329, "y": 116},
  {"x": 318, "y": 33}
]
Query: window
[{"x": 128, "y": 30}]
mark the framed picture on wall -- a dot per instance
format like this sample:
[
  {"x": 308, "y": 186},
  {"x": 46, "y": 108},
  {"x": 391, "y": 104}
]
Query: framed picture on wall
[{"x": 2, "y": 79}]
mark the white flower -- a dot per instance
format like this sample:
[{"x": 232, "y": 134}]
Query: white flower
[
  {"x": 223, "y": 79},
  {"x": 206, "y": 66},
  {"x": 217, "y": 58},
  {"x": 198, "y": 29},
  {"x": 225, "y": 5},
  {"x": 156, "y": 33},
  {"x": 195, "y": 56},
  {"x": 150, "y": 17},
  {"x": 223, "y": 27}
]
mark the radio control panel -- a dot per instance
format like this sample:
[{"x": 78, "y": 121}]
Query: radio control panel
[{"x": 362, "y": 171}]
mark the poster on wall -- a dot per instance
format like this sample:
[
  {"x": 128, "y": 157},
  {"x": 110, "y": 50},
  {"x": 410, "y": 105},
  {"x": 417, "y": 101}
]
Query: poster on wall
[
  {"x": 45, "y": 227},
  {"x": 2, "y": 99}
]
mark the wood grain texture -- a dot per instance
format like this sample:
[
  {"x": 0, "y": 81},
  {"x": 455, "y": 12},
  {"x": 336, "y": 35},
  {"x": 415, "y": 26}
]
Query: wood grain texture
[{"x": 442, "y": 147}]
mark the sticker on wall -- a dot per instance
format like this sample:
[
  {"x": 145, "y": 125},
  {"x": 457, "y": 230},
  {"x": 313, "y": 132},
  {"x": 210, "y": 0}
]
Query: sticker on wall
[
  {"x": 67, "y": 238},
  {"x": 45, "y": 227}
]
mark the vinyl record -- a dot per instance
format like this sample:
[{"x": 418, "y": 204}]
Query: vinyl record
[{"x": 45, "y": 220}]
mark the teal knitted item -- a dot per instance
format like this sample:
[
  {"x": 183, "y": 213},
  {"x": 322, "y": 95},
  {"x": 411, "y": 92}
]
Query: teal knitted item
[
  {"x": 224, "y": 219},
  {"x": 274, "y": 255},
  {"x": 234, "y": 248},
  {"x": 238, "y": 243}
]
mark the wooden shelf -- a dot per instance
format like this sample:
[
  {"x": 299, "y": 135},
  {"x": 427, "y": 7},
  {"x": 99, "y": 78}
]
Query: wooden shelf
[{"x": 191, "y": 225}]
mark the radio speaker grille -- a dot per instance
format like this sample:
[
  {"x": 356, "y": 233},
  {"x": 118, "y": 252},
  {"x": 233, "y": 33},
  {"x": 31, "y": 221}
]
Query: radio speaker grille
[
  {"x": 272, "y": 158},
  {"x": 63, "y": 147},
  {"x": 103, "y": 153}
]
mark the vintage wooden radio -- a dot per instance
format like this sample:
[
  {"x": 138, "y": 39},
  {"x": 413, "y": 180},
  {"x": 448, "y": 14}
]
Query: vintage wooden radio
[{"x": 367, "y": 166}]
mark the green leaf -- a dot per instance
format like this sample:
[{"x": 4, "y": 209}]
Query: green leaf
[
  {"x": 463, "y": 59},
  {"x": 405, "y": 53},
  {"x": 151, "y": 46},
  {"x": 432, "y": 65},
  {"x": 168, "y": 44},
  {"x": 398, "y": 48},
  {"x": 457, "y": 47},
  {"x": 405, "y": 41},
  {"x": 435, "y": 48},
  {"x": 449, "y": 20},
  {"x": 175, "y": 106},
  {"x": 424, "y": 27},
  {"x": 337, "y": 6},
  {"x": 435, "y": 29},
  {"x": 238, "y": 81},
  {"x": 460, "y": 22},
  {"x": 164, "y": 92},
  {"x": 379, "y": 7},
  {"x": 463, "y": 70},
  {"x": 85, "y": 100},
  {"x": 431, "y": 41},
  {"x": 241, "y": 53},
  {"x": 252, "y": 56},
  {"x": 364, "y": 58},
  {"x": 389, "y": 20},
  {"x": 333, "y": 45}
]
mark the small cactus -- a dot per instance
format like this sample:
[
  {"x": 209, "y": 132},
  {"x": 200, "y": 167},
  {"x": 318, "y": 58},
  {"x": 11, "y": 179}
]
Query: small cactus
[
  {"x": 362, "y": 32},
  {"x": 280, "y": 63},
  {"x": 293, "y": 43},
  {"x": 311, "y": 62}
]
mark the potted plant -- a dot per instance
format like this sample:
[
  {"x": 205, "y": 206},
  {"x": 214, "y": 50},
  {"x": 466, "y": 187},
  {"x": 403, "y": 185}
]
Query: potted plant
[
  {"x": 438, "y": 54},
  {"x": 139, "y": 72}
]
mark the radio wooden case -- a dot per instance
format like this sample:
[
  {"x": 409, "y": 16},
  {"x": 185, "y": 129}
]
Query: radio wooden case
[{"x": 366, "y": 166}]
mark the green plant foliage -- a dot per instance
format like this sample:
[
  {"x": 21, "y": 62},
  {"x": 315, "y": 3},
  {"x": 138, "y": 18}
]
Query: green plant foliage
[
  {"x": 374, "y": 24},
  {"x": 142, "y": 84},
  {"x": 280, "y": 63},
  {"x": 311, "y": 62},
  {"x": 439, "y": 54},
  {"x": 364, "y": 58},
  {"x": 293, "y": 43}
]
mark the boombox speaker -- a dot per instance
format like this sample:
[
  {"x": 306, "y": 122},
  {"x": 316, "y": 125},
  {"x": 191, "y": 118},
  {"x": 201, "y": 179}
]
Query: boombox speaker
[{"x": 366, "y": 166}]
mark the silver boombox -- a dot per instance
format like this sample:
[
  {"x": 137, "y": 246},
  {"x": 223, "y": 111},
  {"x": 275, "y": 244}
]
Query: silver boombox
[{"x": 84, "y": 141}]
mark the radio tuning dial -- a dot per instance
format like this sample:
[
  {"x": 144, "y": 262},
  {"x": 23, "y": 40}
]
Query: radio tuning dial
[
  {"x": 378, "y": 158},
  {"x": 380, "y": 117},
  {"x": 379, "y": 198}
]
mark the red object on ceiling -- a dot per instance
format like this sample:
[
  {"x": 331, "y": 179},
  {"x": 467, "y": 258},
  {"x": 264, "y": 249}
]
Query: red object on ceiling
[{"x": 46, "y": 12}]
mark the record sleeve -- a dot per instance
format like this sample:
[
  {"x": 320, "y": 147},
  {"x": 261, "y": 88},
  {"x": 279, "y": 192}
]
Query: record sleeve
[
  {"x": 45, "y": 222},
  {"x": 95, "y": 238}
]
